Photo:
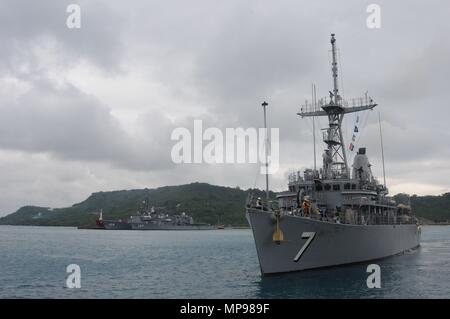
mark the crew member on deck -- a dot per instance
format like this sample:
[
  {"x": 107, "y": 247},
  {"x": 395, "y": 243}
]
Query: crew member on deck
[{"x": 306, "y": 205}]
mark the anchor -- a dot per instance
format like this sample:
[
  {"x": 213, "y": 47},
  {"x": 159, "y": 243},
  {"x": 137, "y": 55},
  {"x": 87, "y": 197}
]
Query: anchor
[{"x": 277, "y": 236}]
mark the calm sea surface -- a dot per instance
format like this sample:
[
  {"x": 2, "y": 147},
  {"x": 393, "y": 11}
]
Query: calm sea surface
[{"x": 198, "y": 264}]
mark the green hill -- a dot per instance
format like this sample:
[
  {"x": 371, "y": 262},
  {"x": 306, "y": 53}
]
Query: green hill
[{"x": 206, "y": 203}]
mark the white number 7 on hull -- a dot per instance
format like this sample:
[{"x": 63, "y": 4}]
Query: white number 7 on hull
[{"x": 310, "y": 236}]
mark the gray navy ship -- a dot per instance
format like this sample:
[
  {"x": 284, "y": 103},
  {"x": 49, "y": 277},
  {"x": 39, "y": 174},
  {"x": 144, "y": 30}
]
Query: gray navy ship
[
  {"x": 116, "y": 224},
  {"x": 149, "y": 219},
  {"x": 335, "y": 215}
]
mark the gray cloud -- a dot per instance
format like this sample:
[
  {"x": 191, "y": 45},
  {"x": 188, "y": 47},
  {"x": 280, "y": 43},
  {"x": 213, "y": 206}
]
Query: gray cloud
[
  {"x": 30, "y": 26},
  {"x": 70, "y": 125},
  {"x": 215, "y": 61}
]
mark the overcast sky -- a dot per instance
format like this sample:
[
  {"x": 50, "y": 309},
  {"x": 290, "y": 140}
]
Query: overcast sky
[{"x": 91, "y": 109}]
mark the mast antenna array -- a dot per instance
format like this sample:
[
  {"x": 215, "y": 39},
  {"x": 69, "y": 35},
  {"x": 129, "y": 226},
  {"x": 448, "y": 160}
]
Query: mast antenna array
[
  {"x": 335, "y": 163},
  {"x": 266, "y": 146},
  {"x": 382, "y": 149}
]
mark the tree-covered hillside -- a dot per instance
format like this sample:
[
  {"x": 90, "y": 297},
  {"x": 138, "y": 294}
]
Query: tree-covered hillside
[{"x": 206, "y": 203}]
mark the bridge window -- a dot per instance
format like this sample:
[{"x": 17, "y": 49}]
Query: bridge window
[
  {"x": 353, "y": 186},
  {"x": 347, "y": 186},
  {"x": 327, "y": 187},
  {"x": 336, "y": 187}
]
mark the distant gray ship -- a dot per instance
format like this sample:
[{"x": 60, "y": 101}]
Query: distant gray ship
[
  {"x": 149, "y": 219},
  {"x": 330, "y": 217},
  {"x": 120, "y": 224},
  {"x": 116, "y": 224}
]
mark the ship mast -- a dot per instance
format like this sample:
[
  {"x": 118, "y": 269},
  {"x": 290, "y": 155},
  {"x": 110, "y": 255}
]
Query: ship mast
[
  {"x": 335, "y": 163},
  {"x": 264, "y": 104},
  {"x": 334, "y": 69},
  {"x": 314, "y": 100},
  {"x": 382, "y": 149}
]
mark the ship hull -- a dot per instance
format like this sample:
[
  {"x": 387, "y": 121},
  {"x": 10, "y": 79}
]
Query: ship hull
[
  {"x": 332, "y": 244},
  {"x": 116, "y": 225},
  {"x": 150, "y": 226}
]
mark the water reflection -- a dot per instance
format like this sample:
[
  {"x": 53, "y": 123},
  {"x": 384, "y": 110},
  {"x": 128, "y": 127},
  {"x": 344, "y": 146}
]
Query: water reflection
[{"x": 397, "y": 276}]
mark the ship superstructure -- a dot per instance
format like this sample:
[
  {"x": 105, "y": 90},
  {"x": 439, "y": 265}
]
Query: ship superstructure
[
  {"x": 334, "y": 215},
  {"x": 149, "y": 218}
]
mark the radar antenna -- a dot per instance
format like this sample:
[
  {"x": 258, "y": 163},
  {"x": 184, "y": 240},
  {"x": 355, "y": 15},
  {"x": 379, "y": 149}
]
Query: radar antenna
[{"x": 335, "y": 107}]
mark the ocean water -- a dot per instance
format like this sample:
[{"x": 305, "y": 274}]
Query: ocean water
[{"x": 198, "y": 264}]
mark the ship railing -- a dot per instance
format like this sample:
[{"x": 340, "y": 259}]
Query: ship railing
[
  {"x": 338, "y": 172},
  {"x": 256, "y": 203},
  {"x": 357, "y": 218},
  {"x": 295, "y": 177},
  {"x": 309, "y": 105},
  {"x": 377, "y": 219}
]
